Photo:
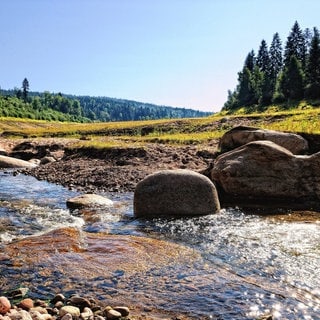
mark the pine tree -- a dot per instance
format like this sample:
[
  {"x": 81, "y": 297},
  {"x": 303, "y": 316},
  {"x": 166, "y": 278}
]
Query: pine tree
[
  {"x": 313, "y": 67},
  {"x": 295, "y": 46}
]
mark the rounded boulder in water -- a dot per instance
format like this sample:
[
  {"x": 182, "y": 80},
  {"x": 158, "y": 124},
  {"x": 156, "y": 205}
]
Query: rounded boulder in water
[
  {"x": 175, "y": 193},
  {"x": 89, "y": 200}
]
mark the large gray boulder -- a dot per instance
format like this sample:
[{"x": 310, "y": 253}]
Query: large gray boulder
[
  {"x": 241, "y": 135},
  {"x": 265, "y": 172},
  {"x": 175, "y": 193},
  {"x": 9, "y": 162}
]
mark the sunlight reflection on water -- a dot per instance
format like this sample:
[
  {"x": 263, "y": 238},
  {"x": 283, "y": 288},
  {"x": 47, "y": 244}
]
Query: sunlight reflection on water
[{"x": 251, "y": 266}]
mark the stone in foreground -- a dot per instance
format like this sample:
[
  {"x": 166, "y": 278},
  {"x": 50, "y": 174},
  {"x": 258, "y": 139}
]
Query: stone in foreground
[
  {"x": 266, "y": 174},
  {"x": 89, "y": 200},
  {"x": 175, "y": 193}
]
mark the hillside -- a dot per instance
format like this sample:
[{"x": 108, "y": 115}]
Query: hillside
[{"x": 62, "y": 107}]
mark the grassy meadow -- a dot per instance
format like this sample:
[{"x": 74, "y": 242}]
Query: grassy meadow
[{"x": 170, "y": 131}]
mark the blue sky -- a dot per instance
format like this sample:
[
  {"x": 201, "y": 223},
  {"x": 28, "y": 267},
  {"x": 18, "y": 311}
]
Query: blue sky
[{"x": 183, "y": 53}]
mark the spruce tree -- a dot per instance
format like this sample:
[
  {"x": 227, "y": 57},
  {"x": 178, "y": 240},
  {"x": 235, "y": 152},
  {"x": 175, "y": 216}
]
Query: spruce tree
[
  {"x": 25, "y": 89},
  {"x": 292, "y": 81},
  {"x": 275, "y": 53},
  {"x": 295, "y": 46},
  {"x": 263, "y": 59},
  {"x": 250, "y": 61},
  {"x": 313, "y": 67}
]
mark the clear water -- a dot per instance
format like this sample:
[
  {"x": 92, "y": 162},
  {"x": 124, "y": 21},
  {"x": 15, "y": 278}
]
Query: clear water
[{"x": 250, "y": 266}]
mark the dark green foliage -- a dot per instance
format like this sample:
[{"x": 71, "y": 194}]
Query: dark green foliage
[
  {"x": 263, "y": 59},
  {"x": 272, "y": 77},
  {"x": 295, "y": 46},
  {"x": 25, "y": 89},
  {"x": 250, "y": 61},
  {"x": 292, "y": 81},
  {"x": 313, "y": 68}
]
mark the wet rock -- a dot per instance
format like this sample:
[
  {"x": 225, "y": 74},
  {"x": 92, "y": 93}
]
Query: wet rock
[
  {"x": 175, "y": 193},
  {"x": 241, "y": 135},
  {"x": 5, "y": 305},
  {"x": 88, "y": 200},
  {"x": 265, "y": 173},
  {"x": 9, "y": 162}
]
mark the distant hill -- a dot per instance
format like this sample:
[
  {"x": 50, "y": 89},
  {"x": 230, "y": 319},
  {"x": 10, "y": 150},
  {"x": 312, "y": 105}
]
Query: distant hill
[{"x": 66, "y": 107}]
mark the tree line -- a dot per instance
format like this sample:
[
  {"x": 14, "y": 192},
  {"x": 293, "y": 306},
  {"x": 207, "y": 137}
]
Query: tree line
[
  {"x": 277, "y": 76},
  {"x": 23, "y": 103}
]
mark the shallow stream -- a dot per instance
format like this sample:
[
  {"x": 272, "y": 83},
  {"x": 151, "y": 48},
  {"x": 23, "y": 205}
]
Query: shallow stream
[{"x": 236, "y": 266}]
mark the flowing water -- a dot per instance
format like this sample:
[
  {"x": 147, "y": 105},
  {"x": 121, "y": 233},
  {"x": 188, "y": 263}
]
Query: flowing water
[{"x": 240, "y": 266}]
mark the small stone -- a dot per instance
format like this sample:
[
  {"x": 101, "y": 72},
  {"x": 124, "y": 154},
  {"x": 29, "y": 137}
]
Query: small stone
[
  {"x": 39, "y": 309},
  {"x": 22, "y": 315},
  {"x": 5, "y": 305},
  {"x": 58, "y": 297},
  {"x": 59, "y": 304},
  {"x": 79, "y": 302},
  {"x": 36, "y": 315},
  {"x": 26, "y": 304},
  {"x": 40, "y": 303},
  {"x": 67, "y": 316},
  {"x": 113, "y": 314},
  {"x": 86, "y": 314},
  {"x": 74, "y": 311},
  {"x": 123, "y": 310}
]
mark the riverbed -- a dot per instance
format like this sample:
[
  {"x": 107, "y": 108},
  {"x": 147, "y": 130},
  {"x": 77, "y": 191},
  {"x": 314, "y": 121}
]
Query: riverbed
[{"x": 224, "y": 266}]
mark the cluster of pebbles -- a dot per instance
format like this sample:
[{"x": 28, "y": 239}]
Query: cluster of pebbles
[{"x": 59, "y": 308}]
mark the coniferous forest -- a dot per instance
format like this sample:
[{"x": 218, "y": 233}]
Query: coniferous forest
[
  {"x": 23, "y": 103},
  {"x": 277, "y": 75}
]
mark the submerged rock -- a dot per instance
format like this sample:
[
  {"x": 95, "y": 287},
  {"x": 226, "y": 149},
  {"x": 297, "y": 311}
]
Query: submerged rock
[
  {"x": 175, "y": 193},
  {"x": 88, "y": 200},
  {"x": 241, "y": 135}
]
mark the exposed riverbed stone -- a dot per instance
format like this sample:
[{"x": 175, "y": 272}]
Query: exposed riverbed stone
[
  {"x": 266, "y": 173},
  {"x": 9, "y": 162},
  {"x": 74, "y": 311},
  {"x": 5, "y": 305},
  {"x": 88, "y": 200},
  {"x": 175, "y": 193},
  {"x": 241, "y": 135}
]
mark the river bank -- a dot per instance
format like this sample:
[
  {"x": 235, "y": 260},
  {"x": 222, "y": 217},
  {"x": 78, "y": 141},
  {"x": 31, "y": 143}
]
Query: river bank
[{"x": 116, "y": 169}]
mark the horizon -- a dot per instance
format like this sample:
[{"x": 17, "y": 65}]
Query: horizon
[{"x": 175, "y": 53}]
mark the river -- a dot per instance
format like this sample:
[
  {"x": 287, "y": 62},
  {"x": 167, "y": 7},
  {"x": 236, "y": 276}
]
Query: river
[{"x": 225, "y": 266}]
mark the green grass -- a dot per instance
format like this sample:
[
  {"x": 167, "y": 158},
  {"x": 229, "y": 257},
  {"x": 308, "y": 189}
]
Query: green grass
[{"x": 304, "y": 118}]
